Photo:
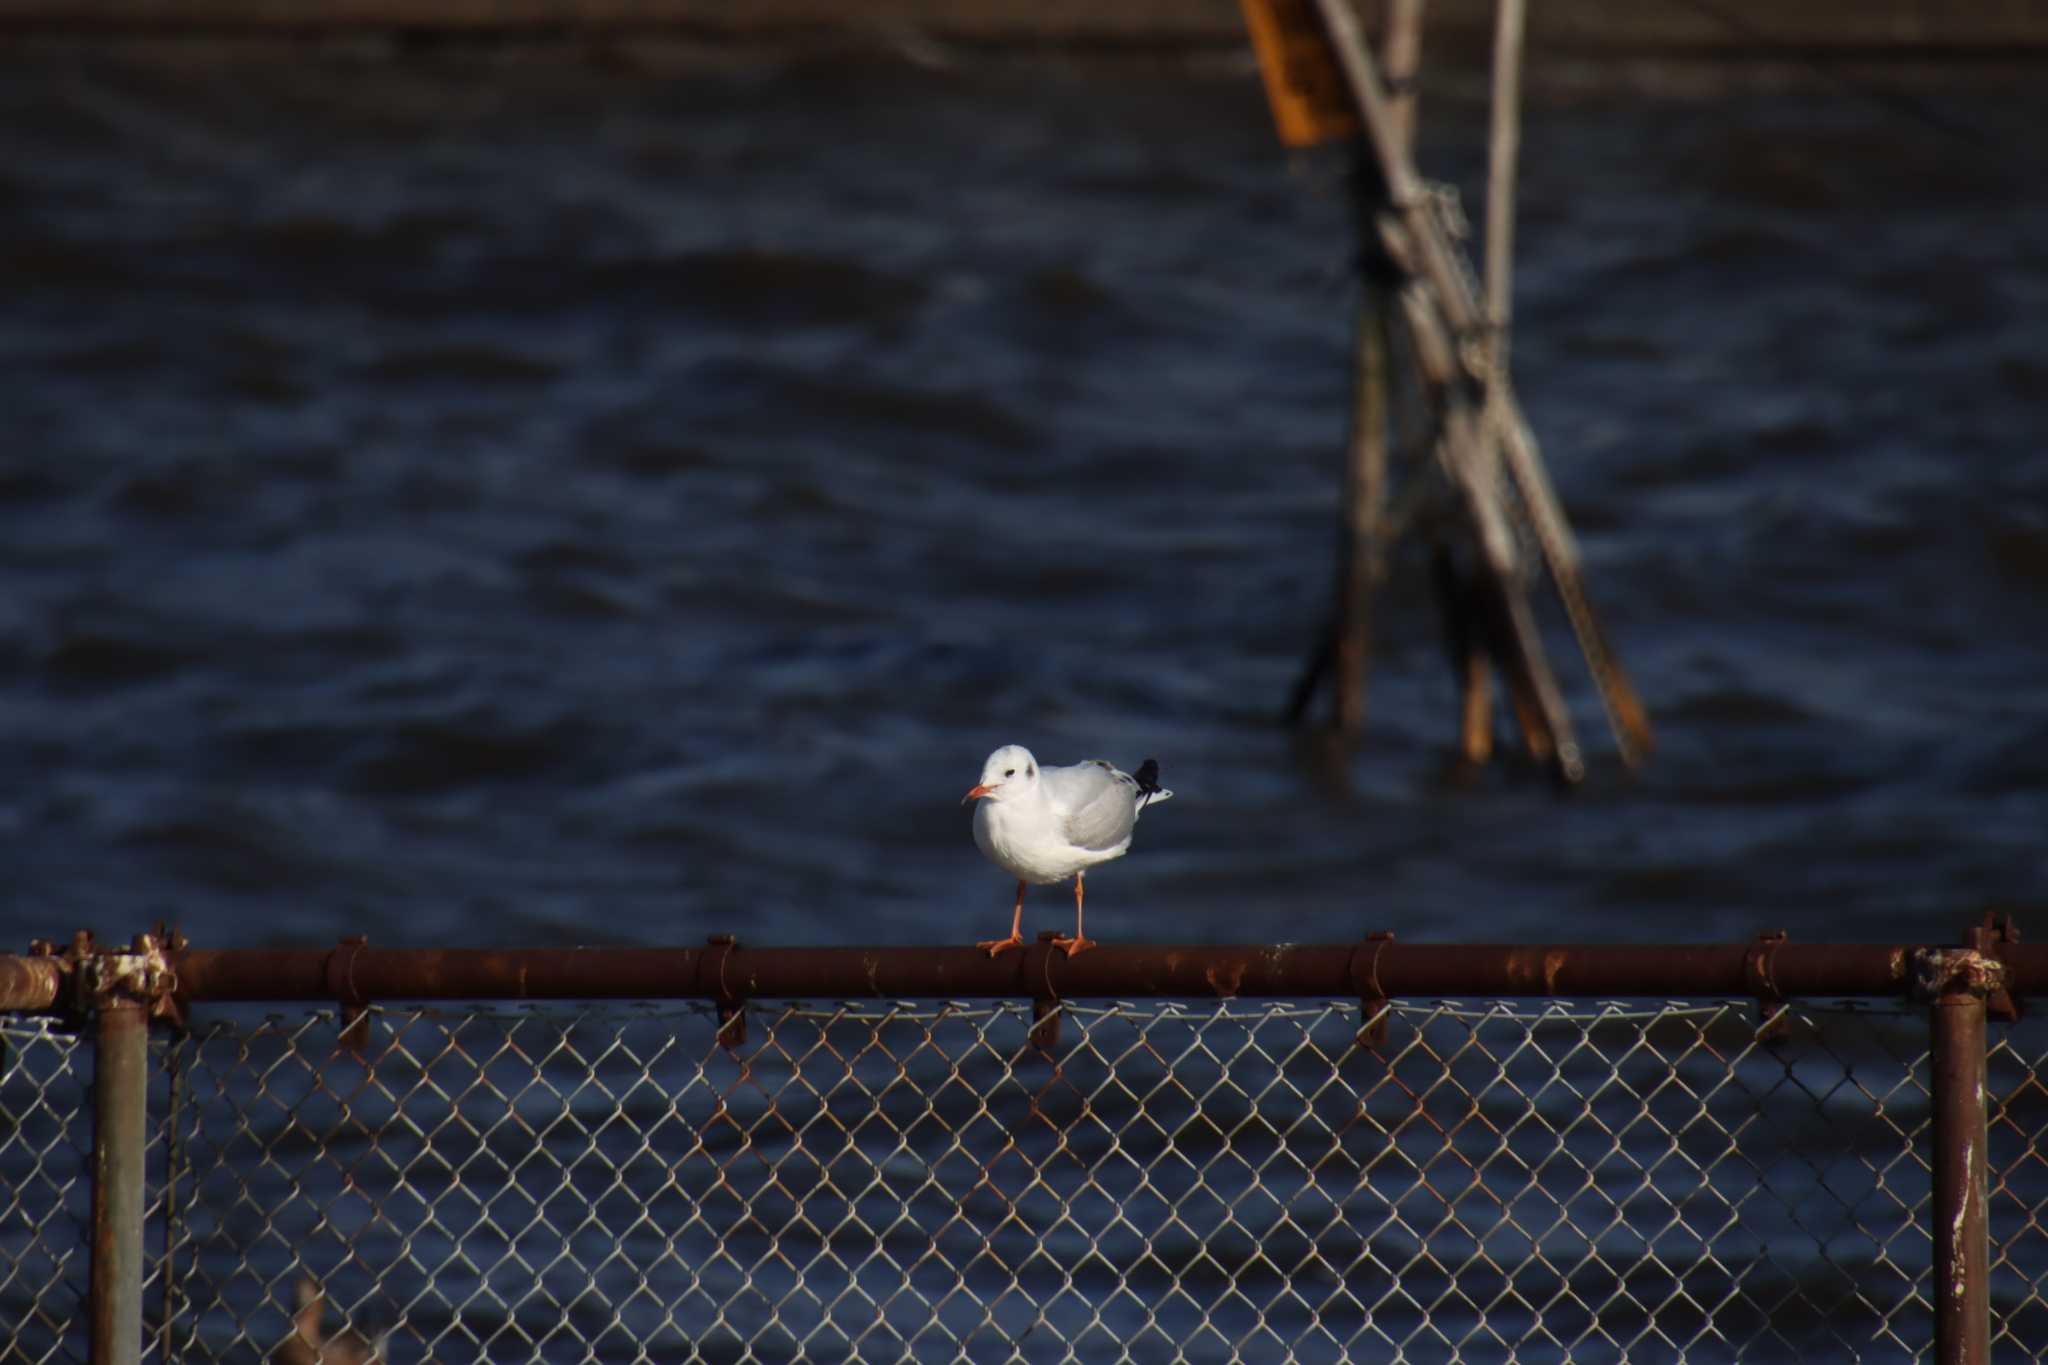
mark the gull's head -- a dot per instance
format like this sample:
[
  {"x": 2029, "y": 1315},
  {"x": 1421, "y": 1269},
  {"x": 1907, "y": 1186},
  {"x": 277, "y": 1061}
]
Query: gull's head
[{"x": 1009, "y": 771}]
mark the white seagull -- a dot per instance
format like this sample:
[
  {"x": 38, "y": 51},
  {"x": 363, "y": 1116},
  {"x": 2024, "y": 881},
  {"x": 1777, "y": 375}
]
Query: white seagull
[{"x": 1045, "y": 825}]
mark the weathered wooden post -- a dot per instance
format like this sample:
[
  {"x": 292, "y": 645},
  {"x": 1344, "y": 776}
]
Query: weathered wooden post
[
  {"x": 1362, "y": 561},
  {"x": 1459, "y": 345},
  {"x": 1310, "y": 106},
  {"x": 1361, "y": 555}
]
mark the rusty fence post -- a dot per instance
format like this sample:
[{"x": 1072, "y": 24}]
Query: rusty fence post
[
  {"x": 122, "y": 991},
  {"x": 120, "y": 1082},
  {"x": 1956, "y": 982}
]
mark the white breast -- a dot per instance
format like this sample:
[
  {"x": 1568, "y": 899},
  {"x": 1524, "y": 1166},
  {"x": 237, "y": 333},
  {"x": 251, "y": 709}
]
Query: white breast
[{"x": 1025, "y": 844}]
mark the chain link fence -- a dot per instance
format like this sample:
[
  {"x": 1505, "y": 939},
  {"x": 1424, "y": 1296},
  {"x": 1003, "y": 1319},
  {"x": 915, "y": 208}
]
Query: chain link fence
[
  {"x": 45, "y": 1191},
  {"x": 2016, "y": 1133},
  {"x": 1222, "y": 1182},
  {"x": 46, "y": 1194}
]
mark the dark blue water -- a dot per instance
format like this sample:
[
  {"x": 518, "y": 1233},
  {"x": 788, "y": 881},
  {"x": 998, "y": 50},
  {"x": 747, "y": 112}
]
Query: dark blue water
[{"x": 477, "y": 498}]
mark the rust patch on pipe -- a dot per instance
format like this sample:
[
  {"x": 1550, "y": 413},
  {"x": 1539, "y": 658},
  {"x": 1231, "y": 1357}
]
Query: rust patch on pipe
[
  {"x": 29, "y": 983},
  {"x": 1524, "y": 968},
  {"x": 1959, "y": 1240},
  {"x": 1225, "y": 979}
]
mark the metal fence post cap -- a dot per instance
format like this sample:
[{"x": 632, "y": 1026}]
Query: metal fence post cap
[
  {"x": 142, "y": 975},
  {"x": 1955, "y": 971},
  {"x": 1992, "y": 936}
]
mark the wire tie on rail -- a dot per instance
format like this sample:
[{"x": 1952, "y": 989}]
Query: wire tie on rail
[
  {"x": 1045, "y": 1005},
  {"x": 732, "y": 1008},
  {"x": 1372, "y": 1000},
  {"x": 1772, "y": 1024},
  {"x": 348, "y": 1001}
]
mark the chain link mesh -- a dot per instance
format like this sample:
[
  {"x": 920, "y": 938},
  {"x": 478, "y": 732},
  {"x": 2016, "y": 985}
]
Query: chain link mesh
[
  {"x": 46, "y": 1162},
  {"x": 2016, "y": 1139},
  {"x": 1223, "y": 1182},
  {"x": 45, "y": 1191}
]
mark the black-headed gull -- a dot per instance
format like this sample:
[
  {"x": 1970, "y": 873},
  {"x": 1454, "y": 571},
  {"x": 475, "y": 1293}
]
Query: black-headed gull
[{"x": 1045, "y": 825}]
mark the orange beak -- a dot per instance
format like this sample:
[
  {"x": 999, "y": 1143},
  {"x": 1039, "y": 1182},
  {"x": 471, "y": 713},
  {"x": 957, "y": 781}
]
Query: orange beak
[{"x": 976, "y": 793}]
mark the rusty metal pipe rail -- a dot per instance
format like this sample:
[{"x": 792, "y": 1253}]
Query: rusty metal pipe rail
[
  {"x": 354, "y": 974},
  {"x": 30, "y": 983},
  {"x": 123, "y": 989}
]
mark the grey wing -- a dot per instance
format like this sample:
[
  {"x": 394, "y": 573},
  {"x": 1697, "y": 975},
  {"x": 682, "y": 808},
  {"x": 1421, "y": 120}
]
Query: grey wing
[{"x": 1098, "y": 804}]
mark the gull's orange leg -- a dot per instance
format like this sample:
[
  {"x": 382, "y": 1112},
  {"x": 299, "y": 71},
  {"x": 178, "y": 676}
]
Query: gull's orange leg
[
  {"x": 1016, "y": 938},
  {"x": 1080, "y": 942}
]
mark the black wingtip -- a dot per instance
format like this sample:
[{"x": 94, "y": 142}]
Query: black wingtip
[{"x": 1148, "y": 777}]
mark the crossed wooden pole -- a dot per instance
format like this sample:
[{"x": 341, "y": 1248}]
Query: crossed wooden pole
[{"x": 1457, "y": 342}]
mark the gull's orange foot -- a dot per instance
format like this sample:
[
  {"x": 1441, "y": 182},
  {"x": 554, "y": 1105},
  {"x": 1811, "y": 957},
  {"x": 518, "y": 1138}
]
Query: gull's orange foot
[
  {"x": 1075, "y": 945},
  {"x": 995, "y": 946}
]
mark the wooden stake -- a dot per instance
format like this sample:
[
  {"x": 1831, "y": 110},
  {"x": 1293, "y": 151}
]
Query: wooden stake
[
  {"x": 1625, "y": 714},
  {"x": 1519, "y": 638},
  {"x": 1361, "y": 554},
  {"x": 1502, "y": 431},
  {"x": 1503, "y": 148},
  {"x": 1345, "y": 647},
  {"x": 1401, "y": 56},
  {"x": 1469, "y": 658},
  {"x": 1458, "y": 343}
]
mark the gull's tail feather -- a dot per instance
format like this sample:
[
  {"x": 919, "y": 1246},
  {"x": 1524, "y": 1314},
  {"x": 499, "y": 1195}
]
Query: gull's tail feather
[{"x": 1147, "y": 778}]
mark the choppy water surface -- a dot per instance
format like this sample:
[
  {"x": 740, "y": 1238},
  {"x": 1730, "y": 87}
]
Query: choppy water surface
[{"x": 530, "y": 501}]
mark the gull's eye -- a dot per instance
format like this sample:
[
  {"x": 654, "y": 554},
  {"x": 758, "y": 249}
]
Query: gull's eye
[
  {"x": 1031, "y": 772},
  {"x": 1009, "y": 772}
]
